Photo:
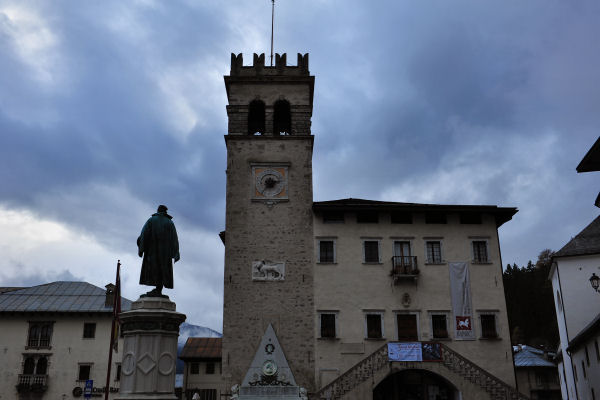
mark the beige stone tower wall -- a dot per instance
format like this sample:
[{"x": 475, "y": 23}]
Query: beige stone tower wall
[{"x": 279, "y": 230}]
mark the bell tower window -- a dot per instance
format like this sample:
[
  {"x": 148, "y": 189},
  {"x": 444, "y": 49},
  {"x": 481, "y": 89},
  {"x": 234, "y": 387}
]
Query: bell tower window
[
  {"x": 282, "y": 118},
  {"x": 256, "y": 118}
]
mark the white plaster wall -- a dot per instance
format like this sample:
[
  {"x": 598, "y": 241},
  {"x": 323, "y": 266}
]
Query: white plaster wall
[
  {"x": 68, "y": 349},
  {"x": 591, "y": 380},
  {"x": 580, "y": 304},
  {"x": 350, "y": 287},
  {"x": 202, "y": 380}
]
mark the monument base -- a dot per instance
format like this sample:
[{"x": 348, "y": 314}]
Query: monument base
[{"x": 150, "y": 331}]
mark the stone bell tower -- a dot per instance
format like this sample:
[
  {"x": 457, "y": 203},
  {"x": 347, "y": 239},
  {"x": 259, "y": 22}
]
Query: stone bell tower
[{"x": 269, "y": 232}]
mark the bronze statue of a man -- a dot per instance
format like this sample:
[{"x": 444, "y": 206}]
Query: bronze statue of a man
[{"x": 158, "y": 245}]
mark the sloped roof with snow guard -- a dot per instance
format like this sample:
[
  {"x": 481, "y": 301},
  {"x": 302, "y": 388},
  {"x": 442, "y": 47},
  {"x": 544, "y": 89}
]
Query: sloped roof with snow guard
[
  {"x": 586, "y": 242},
  {"x": 61, "y": 296}
]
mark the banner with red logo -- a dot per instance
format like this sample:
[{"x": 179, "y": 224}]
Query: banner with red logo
[{"x": 460, "y": 289}]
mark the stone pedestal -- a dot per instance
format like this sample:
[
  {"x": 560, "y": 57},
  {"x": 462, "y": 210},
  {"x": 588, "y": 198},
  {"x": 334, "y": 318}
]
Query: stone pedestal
[{"x": 148, "y": 366}]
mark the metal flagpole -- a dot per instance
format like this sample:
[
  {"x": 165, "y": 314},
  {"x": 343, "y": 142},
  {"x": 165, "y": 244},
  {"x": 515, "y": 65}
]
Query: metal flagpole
[
  {"x": 272, "y": 22},
  {"x": 116, "y": 312}
]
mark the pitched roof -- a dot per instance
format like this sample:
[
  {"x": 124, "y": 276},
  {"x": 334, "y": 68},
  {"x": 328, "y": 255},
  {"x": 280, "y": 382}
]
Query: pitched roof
[
  {"x": 591, "y": 161},
  {"x": 502, "y": 214},
  {"x": 586, "y": 242},
  {"x": 202, "y": 348},
  {"x": 527, "y": 356},
  {"x": 58, "y": 296},
  {"x": 590, "y": 331}
]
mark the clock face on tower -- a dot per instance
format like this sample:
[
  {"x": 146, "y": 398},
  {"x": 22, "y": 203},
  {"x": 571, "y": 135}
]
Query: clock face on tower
[{"x": 270, "y": 182}]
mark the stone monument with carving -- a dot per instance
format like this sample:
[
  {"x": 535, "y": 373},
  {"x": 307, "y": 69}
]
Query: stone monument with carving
[{"x": 151, "y": 327}]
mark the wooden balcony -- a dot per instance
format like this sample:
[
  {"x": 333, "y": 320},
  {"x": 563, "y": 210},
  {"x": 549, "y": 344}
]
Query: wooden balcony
[{"x": 404, "y": 267}]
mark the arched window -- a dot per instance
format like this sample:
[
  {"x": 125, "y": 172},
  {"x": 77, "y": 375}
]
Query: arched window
[
  {"x": 256, "y": 118},
  {"x": 282, "y": 118},
  {"x": 34, "y": 335},
  {"x": 42, "y": 366},
  {"x": 45, "y": 334},
  {"x": 29, "y": 366}
]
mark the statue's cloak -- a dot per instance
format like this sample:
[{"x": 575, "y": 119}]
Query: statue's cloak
[{"x": 159, "y": 245}]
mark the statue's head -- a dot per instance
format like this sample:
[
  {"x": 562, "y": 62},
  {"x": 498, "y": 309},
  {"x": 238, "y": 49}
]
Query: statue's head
[{"x": 162, "y": 209}]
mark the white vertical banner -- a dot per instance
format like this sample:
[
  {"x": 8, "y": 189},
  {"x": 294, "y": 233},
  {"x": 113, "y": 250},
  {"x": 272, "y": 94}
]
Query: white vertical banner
[{"x": 460, "y": 289}]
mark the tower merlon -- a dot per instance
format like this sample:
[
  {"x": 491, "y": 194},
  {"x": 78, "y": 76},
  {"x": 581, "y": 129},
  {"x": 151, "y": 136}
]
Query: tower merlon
[{"x": 258, "y": 66}]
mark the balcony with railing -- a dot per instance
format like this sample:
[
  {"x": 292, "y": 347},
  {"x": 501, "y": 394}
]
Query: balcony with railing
[
  {"x": 404, "y": 267},
  {"x": 32, "y": 383}
]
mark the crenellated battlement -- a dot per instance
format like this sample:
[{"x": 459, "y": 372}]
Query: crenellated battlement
[{"x": 258, "y": 66}]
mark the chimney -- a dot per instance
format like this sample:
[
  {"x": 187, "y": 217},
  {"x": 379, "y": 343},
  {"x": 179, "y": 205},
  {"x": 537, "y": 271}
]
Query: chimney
[{"x": 110, "y": 295}]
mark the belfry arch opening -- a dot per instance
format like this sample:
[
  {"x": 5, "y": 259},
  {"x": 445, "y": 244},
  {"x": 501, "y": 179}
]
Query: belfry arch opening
[
  {"x": 415, "y": 384},
  {"x": 256, "y": 117},
  {"x": 282, "y": 118}
]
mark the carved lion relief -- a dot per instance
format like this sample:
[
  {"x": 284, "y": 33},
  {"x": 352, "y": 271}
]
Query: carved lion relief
[{"x": 265, "y": 270}]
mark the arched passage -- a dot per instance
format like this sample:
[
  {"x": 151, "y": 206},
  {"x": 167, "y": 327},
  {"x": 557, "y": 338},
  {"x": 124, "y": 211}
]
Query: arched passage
[{"x": 414, "y": 384}]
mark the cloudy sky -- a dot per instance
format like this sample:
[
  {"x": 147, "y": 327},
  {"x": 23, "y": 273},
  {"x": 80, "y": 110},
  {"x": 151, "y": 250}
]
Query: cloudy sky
[{"x": 109, "y": 108}]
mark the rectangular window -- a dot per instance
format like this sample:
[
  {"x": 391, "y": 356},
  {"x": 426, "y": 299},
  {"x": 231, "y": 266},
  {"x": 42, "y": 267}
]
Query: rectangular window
[
  {"x": 470, "y": 218},
  {"x": 435, "y": 218},
  {"x": 326, "y": 251},
  {"x": 407, "y": 327},
  {"x": 439, "y": 326},
  {"x": 403, "y": 262},
  {"x": 401, "y": 218},
  {"x": 480, "y": 253},
  {"x": 84, "y": 372},
  {"x": 39, "y": 334},
  {"x": 118, "y": 373},
  {"x": 89, "y": 330},
  {"x": 367, "y": 217},
  {"x": 333, "y": 217},
  {"x": 434, "y": 251},
  {"x": 583, "y": 368},
  {"x": 195, "y": 368},
  {"x": 210, "y": 368},
  {"x": 597, "y": 350},
  {"x": 371, "y": 251},
  {"x": 488, "y": 326},
  {"x": 328, "y": 325},
  {"x": 587, "y": 356},
  {"x": 374, "y": 326}
]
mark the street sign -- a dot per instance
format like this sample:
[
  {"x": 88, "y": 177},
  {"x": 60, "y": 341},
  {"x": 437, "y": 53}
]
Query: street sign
[{"x": 87, "y": 392}]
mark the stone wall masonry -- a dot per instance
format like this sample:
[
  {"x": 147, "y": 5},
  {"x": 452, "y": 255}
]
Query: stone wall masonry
[{"x": 280, "y": 232}]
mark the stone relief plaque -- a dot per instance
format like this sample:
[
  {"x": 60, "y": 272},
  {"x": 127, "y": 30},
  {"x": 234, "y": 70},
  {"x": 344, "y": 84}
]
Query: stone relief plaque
[{"x": 265, "y": 270}]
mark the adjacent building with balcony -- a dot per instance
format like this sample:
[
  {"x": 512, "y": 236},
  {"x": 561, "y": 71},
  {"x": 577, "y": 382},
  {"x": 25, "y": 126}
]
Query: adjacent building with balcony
[{"x": 55, "y": 337}]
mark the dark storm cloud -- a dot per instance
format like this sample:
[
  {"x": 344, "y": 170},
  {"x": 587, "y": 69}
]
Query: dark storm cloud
[{"x": 108, "y": 109}]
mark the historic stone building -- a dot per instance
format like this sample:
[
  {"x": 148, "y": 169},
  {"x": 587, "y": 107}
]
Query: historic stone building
[
  {"x": 348, "y": 298},
  {"x": 54, "y": 338}
]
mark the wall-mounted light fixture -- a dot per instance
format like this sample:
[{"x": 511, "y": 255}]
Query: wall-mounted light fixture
[{"x": 595, "y": 281}]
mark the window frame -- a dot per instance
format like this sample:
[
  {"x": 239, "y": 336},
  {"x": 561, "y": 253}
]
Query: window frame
[
  {"x": 326, "y": 239},
  {"x": 89, "y": 324},
  {"x": 79, "y": 366},
  {"x": 336, "y": 325},
  {"x": 474, "y": 259},
  {"x": 447, "y": 315},
  {"x": 381, "y": 321},
  {"x": 209, "y": 371},
  {"x": 488, "y": 313},
  {"x": 441, "y": 243},
  {"x": 42, "y": 326},
  {"x": 364, "y": 252},
  {"x": 417, "y": 321},
  {"x": 194, "y": 368}
]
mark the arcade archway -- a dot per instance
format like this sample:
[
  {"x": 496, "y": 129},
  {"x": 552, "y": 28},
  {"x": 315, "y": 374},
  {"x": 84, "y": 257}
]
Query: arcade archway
[{"x": 415, "y": 384}]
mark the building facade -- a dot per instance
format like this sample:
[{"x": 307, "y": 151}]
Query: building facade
[
  {"x": 344, "y": 282},
  {"x": 202, "y": 373},
  {"x": 54, "y": 338},
  {"x": 577, "y": 305},
  {"x": 536, "y": 373}
]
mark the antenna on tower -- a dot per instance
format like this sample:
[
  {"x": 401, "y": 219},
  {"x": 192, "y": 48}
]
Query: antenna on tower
[{"x": 272, "y": 21}]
